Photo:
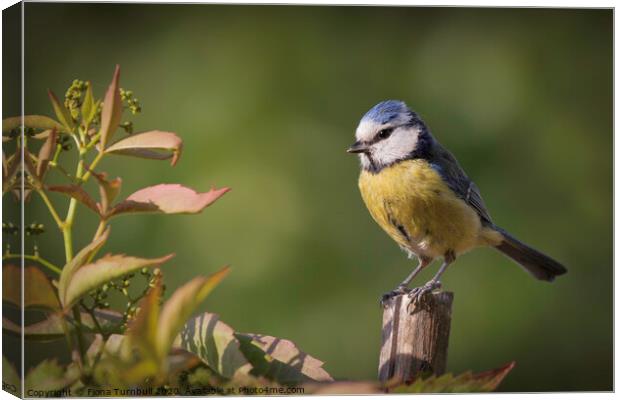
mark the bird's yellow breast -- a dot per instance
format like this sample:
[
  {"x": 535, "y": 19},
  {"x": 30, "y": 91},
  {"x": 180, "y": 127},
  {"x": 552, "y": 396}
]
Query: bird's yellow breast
[{"x": 412, "y": 203}]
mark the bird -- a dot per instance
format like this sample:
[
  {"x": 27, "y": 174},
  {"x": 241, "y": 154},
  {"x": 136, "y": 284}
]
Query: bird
[{"x": 417, "y": 192}]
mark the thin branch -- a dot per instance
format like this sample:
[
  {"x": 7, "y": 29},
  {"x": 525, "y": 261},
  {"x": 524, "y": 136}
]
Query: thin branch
[
  {"x": 51, "y": 208},
  {"x": 92, "y": 166},
  {"x": 93, "y": 141},
  {"x": 37, "y": 259}
]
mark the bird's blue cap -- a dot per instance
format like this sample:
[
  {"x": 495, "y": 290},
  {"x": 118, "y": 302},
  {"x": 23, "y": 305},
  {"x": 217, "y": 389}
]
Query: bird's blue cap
[{"x": 387, "y": 111}]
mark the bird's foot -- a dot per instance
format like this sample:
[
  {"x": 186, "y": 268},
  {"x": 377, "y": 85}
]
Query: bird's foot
[
  {"x": 401, "y": 289},
  {"x": 419, "y": 296}
]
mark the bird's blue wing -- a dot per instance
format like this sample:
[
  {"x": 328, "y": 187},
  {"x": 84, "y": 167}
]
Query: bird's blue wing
[{"x": 451, "y": 172}]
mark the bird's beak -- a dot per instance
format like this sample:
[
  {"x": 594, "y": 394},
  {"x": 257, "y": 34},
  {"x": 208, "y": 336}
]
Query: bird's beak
[{"x": 357, "y": 147}]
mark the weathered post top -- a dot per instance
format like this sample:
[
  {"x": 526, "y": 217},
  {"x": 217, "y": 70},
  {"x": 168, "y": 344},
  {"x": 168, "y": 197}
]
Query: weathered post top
[{"x": 414, "y": 339}]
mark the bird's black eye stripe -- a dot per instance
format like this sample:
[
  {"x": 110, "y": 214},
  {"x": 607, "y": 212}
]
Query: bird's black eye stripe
[{"x": 384, "y": 133}]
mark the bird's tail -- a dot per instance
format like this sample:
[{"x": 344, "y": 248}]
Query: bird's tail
[{"x": 536, "y": 263}]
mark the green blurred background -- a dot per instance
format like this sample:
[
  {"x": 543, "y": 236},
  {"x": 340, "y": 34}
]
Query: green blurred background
[{"x": 267, "y": 99}]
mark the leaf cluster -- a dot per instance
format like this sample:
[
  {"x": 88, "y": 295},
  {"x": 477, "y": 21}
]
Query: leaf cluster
[{"x": 152, "y": 342}]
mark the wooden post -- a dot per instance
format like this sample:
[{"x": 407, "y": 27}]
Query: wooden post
[{"x": 415, "y": 338}]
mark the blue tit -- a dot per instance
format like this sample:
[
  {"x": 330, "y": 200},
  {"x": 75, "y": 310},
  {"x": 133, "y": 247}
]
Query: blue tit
[{"x": 420, "y": 196}]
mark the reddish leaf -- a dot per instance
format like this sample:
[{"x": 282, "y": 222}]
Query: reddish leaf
[
  {"x": 80, "y": 258},
  {"x": 45, "y": 154},
  {"x": 107, "y": 268},
  {"x": 281, "y": 360},
  {"x": 156, "y": 145},
  {"x": 43, "y": 135},
  {"x": 50, "y": 328},
  {"x": 112, "y": 109},
  {"x": 490, "y": 380},
  {"x": 98, "y": 347},
  {"x": 38, "y": 290},
  {"x": 31, "y": 121},
  {"x": 181, "y": 360},
  {"x": 167, "y": 199},
  {"x": 108, "y": 190},
  {"x": 215, "y": 343},
  {"x": 53, "y": 327},
  {"x": 77, "y": 193},
  {"x": 466, "y": 382}
]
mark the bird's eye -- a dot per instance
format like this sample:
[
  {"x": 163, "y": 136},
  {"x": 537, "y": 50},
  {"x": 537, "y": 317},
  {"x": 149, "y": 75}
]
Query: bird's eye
[{"x": 385, "y": 133}]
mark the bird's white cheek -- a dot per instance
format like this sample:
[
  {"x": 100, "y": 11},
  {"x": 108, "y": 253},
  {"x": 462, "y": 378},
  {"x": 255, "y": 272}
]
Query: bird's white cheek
[
  {"x": 364, "y": 161},
  {"x": 388, "y": 153},
  {"x": 397, "y": 147}
]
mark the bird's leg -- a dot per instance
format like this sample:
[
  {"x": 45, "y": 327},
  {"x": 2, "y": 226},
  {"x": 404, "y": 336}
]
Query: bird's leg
[
  {"x": 417, "y": 294},
  {"x": 402, "y": 288}
]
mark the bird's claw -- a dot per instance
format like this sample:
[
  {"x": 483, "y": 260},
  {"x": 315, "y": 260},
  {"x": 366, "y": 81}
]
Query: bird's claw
[
  {"x": 419, "y": 296},
  {"x": 401, "y": 289}
]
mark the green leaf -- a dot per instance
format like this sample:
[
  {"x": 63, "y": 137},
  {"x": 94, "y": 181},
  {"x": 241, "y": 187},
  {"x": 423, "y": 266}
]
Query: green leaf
[
  {"x": 31, "y": 121},
  {"x": 78, "y": 260},
  {"x": 89, "y": 106},
  {"x": 216, "y": 345},
  {"x": 107, "y": 268},
  {"x": 167, "y": 199},
  {"x": 49, "y": 376},
  {"x": 157, "y": 145},
  {"x": 77, "y": 193},
  {"x": 466, "y": 382},
  {"x": 112, "y": 109},
  {"x": 281, "y": 360},
  {"x": 10, "y": 379},
  {"x": 142, "y": 332},
  {"x": 62, "y": 113},
  {"x": 39, "y": 292},
  {"x": 120, "y": 365},
  {"x": 182, "y": 304}
]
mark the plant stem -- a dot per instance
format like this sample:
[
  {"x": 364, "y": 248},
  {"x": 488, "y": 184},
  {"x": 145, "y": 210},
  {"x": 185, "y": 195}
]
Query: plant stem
[
  {"x": 93, "y": 315},
  {"x": 93, "y": 141},
  {"x": 76, "y": 140},
  {"x": 68, "y": 239},
  {"x": 67, "y": 227},
  {"x": 56, "y": 154},
  {"x": 51, "y": 208},
  {"x": 37, "y": 259},
  {"x": 78, "y": 330},
  {"x": 67, "y": 234},
  {"x": 92, "y": 166},
  {"x": 74, "y": 354},
  {"x": 100, "y": 229}
]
